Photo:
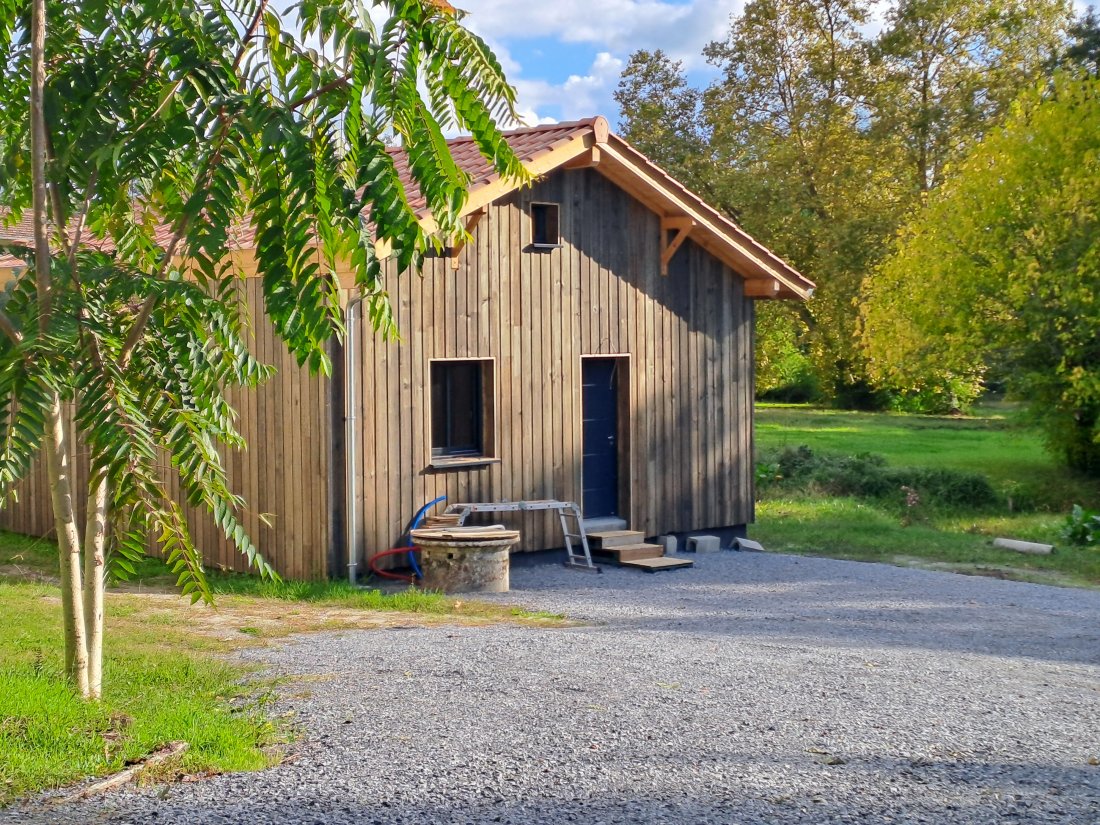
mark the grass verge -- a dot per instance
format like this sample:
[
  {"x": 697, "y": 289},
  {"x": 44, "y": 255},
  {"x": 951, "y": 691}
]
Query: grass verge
[
  {"x": 162, "y": 683},
  {"x": 166, "y": 672}
]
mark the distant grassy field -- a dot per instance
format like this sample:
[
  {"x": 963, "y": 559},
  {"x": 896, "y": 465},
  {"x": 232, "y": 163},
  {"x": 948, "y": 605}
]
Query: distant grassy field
[
  {"x": 1033, "y": 492},
  {"x": 995, "y": 441}
]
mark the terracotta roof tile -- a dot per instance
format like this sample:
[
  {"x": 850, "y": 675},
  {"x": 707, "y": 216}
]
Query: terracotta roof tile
[
  {"x": 21, "y": 234},
  {"x": 528, "y": 143}
]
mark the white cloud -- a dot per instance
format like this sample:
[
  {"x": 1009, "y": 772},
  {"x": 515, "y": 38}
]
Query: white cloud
[
  {"x": 578, "y": 96},
  {"x": 619, "y": 26},
  {"x": 615, "y": 27}
]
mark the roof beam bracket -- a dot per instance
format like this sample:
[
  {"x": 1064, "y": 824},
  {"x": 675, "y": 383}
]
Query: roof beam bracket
[
  {"x": 682, "y": 226},
  {"x": 587, "y": 158}
]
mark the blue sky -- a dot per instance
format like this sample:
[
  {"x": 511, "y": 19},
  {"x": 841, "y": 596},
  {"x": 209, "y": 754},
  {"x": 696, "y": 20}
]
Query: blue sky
[{"x": 565, "y": 56}]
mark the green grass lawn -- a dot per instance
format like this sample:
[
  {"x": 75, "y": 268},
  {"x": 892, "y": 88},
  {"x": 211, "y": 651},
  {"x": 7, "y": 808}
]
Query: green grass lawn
[
  {"x": 162, "y": 683},
  {"x": 1034, "y": 492},
  {"x": 167, "y": 675}
]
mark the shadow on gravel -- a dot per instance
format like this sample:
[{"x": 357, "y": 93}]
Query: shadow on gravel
[
  {"x": 955, "y": 630},
  {"x": 926, "y": 792},
  {"x": 892, "y": 607}
]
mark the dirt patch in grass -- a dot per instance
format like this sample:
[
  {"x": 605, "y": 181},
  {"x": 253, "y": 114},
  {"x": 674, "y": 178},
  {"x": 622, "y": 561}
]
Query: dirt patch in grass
[
  {"x": 241, "y": 621},
  {"x": 992, "y": 571}
]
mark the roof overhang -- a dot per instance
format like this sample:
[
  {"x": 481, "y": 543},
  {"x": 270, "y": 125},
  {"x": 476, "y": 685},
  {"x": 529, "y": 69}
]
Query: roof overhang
[
  {"x": 766, "y": 275},
  {"x": 592, "y": 144}
]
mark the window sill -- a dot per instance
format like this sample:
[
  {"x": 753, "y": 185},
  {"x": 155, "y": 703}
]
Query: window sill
[
  {"x": 545, "y": 247},
  {"x": 462, "y": 463}
]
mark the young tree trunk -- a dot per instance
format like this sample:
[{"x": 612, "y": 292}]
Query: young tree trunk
[
  {"x": 95, "y": 544},
  {"x": 58, "y": 454},
  {"x": 59, "y": 471}
]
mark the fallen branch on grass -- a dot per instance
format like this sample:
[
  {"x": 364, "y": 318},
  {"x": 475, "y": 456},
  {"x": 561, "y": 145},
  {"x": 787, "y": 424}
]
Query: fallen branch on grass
[{"x": 163, "y": 754}]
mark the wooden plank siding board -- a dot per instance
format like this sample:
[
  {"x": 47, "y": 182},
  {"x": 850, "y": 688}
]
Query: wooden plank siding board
[
  {"x": 573, "y": 326},
  {"x": 746, "y": 343},
  {"x": 650, "y": 451},
  {"x": 553, "y": 391},
  {"x": 32, "y": 514},
  {"x": 712, "y": 433},
  {"x": 535, "y": 314}
]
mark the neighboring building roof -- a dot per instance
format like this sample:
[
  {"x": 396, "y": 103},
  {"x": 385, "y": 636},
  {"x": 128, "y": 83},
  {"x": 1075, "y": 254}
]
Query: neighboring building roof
[{"x": 590, "y": 142}]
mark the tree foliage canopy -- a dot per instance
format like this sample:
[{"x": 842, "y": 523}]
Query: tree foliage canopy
[
  {"x": 950, "y": 68},
  {"x": 1001, "y": 272},
  {"x": 820, "y": 139}
]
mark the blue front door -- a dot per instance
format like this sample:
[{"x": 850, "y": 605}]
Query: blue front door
[{"x": 600, "y": 406}]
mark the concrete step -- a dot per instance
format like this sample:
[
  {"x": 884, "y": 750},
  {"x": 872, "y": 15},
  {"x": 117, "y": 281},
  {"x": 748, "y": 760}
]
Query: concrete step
[
  {"x": 607, "y": 539},
  {"x": 630, "y": 552}
]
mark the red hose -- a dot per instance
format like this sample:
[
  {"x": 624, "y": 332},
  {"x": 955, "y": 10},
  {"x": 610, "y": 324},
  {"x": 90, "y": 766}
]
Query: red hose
[{"x": 401, "y": 577}]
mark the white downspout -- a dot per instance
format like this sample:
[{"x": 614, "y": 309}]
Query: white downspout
[{"x": 352, "y": 321}]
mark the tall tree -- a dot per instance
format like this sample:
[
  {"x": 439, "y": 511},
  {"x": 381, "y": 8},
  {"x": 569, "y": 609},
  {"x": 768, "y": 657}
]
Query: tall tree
[
  {"x": 660, "y": 115},
  {"x": 1083, "y": 50},
  {"x": 1002, "y": 269},
  {"x": 950, "y": 68},
  {"x": 158, "y": 132},
  {"x": 788, "y": 119},
  {"x": 821, "y": 140}
]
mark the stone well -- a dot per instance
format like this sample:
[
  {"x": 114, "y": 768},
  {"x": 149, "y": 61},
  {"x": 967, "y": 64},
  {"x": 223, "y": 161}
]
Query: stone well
[{"x": 465, "y": 559}]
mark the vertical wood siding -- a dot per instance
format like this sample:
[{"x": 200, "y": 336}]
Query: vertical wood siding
[
  {"x": 688, "y": 337},
  {"x": 536, "y": 313},
  {"x": 283, "y": 475}
]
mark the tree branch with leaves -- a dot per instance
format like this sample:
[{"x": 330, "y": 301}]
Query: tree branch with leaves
[{"x": 145, "y": 140}]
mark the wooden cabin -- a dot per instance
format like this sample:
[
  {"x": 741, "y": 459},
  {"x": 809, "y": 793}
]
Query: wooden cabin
[{"x": 592, "y": 343}]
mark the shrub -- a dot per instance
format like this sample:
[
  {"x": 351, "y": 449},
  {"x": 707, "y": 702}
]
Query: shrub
[
  {"x": 868, "y": 476},
  {"x": 1082, "y": 527},
  {"x": 793, "y": 462},
  {"x": 801, "y": 388},
  {"x": 954, "y": 487},
  {"x": 863, "y": 476}
]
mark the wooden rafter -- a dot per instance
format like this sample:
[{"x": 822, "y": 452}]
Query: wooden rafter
[
  {"x": 762, "y": 288},
  {"x": 472, "y": 220},
  {"x": 682, "y": 226}
]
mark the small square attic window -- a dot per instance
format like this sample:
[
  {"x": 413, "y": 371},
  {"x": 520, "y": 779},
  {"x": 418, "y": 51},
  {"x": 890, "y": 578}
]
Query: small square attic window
[{"x": 545, "y": 225}]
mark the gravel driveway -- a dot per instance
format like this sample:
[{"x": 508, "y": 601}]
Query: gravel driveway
[{"x": 754, "y": 688}]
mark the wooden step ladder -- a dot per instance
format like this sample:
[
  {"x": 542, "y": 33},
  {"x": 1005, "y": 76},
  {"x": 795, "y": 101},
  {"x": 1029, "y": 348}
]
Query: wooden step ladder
[{"x": 567, "y": 511}]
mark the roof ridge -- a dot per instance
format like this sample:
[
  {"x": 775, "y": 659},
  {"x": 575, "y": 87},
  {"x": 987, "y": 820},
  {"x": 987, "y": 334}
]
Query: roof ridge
[
  {"x": 540, "y": 127},
  {"x": 565, "y": 125}
]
